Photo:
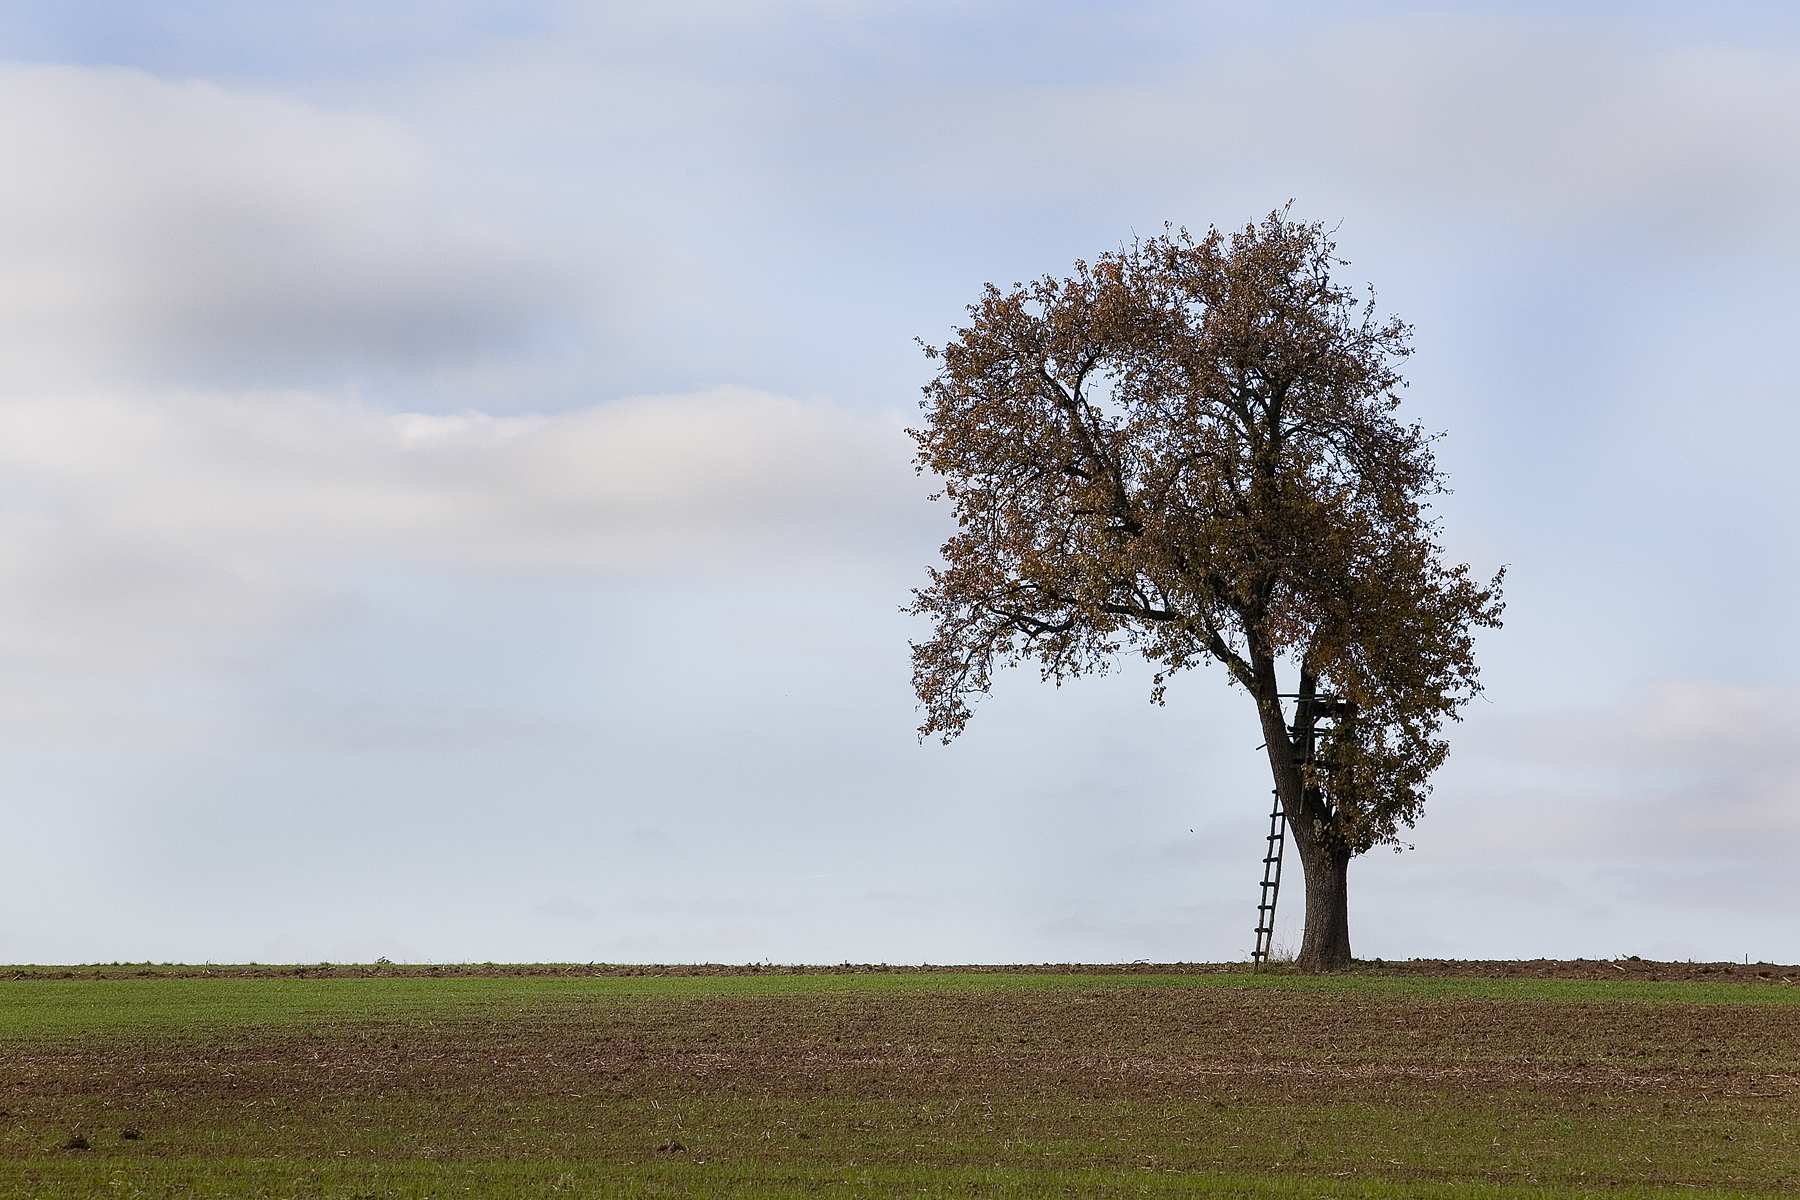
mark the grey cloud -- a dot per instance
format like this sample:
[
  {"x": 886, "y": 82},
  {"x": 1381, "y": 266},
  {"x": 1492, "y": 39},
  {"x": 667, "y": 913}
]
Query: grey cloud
[
  {"x": 182, "y": 231},
  {"x": 726, "y": 565},
  {"x": 317, "y": 722},
  {"x": 1661, "y": 823},
  {"x": 1678, "y": 766},
  {"x": 286, "y": 948},
  {"x": 1707, "y": 886},
  {"x": 564, "y": 908},
  {"x": 684, "y": 483},
  {"x": 1542, "y": 122},
  {"x": 201, "y": 534},
  {"x": 1661, "y": 725},
  {"x": 369, "y": 949},
  {"x": 1552, "y": 121}
]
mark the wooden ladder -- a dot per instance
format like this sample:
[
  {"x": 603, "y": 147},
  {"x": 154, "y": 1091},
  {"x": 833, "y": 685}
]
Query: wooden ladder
[
  {"x": 1310, "y": 709},
  {"x": 1271, "y": 885}
]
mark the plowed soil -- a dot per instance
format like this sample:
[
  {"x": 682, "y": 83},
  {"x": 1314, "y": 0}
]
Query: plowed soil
[
  {"x": 1265, "y": 1081},
  {"x": 1111, "y": 1044},
  {"x": 1537, "y": 968}
]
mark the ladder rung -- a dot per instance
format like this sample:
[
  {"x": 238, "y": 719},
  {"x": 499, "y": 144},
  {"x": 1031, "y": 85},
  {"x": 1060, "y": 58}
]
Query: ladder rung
[{"x": 1271, "y": 880}]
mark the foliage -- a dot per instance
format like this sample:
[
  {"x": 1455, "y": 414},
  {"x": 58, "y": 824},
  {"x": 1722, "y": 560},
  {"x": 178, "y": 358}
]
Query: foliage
[{"x": 1188, "y": 450}]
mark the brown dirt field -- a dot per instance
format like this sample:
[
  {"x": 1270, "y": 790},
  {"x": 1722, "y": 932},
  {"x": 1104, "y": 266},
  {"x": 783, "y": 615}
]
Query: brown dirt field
[
  {"x": 1113, "y": 1043},
  {"x": 1540, "y": 968},
  {"x": 1235, "y": 1079}
]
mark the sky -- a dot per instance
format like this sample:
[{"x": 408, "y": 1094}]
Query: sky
[{"x": 455, "y": 502}]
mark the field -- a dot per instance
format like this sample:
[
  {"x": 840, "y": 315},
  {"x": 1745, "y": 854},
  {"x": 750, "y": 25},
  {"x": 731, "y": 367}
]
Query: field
[{"x": 1418, "y": 1080}]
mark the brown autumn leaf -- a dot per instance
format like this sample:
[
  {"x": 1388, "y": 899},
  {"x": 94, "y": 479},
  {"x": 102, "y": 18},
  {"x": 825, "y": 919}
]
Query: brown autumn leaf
[{"x": 1189, "y": 451}]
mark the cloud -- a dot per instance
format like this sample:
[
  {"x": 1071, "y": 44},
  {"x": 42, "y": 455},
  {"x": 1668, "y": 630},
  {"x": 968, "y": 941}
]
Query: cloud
[
  {"x": 1538, "y": 123},
  {"x": 565, "y": 908},
  {"x": 1680, "y": 769},
  {"x": 1553, "y": 121},
  {"x": 1659, "y": 824},
  {"x": 181, "y": 532},
  {"x": 314, "y": 722},
  {"x": 714, "y": 481},
  {"x": 183, "y": 232}
]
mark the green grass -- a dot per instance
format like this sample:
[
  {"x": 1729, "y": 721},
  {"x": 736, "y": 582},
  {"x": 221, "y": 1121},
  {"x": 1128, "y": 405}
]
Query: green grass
[
  {"x": 74, "y": 1006},
  {"x": 897, "y": 1084},
  {"x": 76, "y": 1180}
]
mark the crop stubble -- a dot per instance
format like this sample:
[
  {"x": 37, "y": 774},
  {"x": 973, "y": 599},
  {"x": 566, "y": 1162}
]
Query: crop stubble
[{"x": 1262, "y": 1081}]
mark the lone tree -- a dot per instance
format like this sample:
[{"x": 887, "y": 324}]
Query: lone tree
[{"x": 1188, "y": 450}]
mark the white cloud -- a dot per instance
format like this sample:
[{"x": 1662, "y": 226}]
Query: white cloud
[
  {"x": 1536, "y": 122},
  {"x": 1661, "y": 824},
  {"x": 1679, "y": 769},
  {"x": 181, "y": 531},
  {"x": 381, "y": 642},
  {"x": 565, "y": 908},
  {"x": 177, "y": 230},
  {"x": 1551, "y": 121},
  {"x": 724, "y": 477}
]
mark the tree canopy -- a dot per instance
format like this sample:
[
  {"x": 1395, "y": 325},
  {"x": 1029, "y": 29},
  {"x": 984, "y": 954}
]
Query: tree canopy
[{"x": 1189, "y": 450}]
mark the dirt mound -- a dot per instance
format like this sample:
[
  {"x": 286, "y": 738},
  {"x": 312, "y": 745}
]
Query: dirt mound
[{"x": 1620, "y": 968}]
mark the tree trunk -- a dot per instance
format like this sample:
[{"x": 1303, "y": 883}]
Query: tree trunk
[
  {"x": 1326, "y": 946},
  {"x": 1324, "y": 863}
]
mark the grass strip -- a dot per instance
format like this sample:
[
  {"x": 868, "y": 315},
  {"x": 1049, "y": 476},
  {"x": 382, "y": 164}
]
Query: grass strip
[
  {"x": 57, "y": 1007},
  {"x": 78, "y": 1178}
]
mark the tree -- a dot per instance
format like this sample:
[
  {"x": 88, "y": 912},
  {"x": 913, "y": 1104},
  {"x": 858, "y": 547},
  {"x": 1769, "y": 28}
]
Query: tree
[{"x": 1188, "y": 451}]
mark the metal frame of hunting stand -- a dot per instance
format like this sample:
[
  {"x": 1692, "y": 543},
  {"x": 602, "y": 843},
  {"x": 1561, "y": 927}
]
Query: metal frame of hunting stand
[{"x": 1308, "y": 712}]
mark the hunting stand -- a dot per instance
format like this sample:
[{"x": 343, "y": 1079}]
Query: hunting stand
[{"x": 1310, "y": 709}]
